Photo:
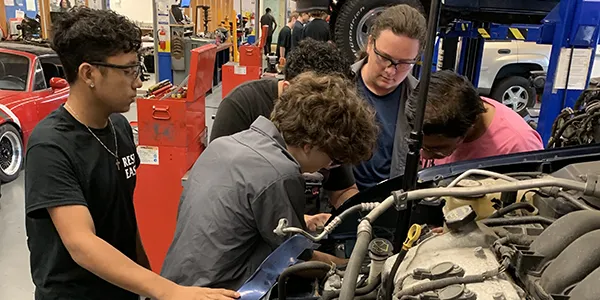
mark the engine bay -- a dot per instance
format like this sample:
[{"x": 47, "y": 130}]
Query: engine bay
[{"x": 525, "y": 235}]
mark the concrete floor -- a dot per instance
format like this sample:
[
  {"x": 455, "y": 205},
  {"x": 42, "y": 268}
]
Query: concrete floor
[{"x": 15, "y": 276}]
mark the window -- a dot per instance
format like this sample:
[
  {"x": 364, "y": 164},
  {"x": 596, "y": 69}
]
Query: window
[
  {"x": 39, "y": 81},
  {"x": 14, "y": 71}
]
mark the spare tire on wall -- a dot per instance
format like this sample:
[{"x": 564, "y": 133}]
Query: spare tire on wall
[{"x": 354, "y": 19}]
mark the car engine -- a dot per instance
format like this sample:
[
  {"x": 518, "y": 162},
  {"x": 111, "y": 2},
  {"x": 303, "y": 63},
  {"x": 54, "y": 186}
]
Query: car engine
[{"x": 505, "y": 237}]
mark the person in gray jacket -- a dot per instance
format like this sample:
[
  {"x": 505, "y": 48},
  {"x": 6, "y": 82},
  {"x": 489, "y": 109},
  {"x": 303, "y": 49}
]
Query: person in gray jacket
[
  {"x": 396, "y": 41},
  {"x": 243, "y": 184}
]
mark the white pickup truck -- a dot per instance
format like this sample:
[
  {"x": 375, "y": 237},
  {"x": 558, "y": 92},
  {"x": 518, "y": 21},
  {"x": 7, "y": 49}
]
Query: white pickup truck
[{"x": 506, "y": 72}]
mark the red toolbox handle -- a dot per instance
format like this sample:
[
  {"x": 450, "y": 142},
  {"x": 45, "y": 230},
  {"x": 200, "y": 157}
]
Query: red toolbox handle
[
  {"x": 249, "y": 51},
  {"x": 158, "y": 111}
]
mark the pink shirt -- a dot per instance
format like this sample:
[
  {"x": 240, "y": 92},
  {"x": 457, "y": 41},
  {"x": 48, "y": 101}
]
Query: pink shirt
[{"x": 508, "y": 133}]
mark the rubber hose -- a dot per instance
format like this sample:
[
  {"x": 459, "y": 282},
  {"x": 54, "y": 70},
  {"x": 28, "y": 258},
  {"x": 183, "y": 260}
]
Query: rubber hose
[
  {"x": 305, "y": 266},
  {"x": 517, "y": 221},
  {"x": 442, "y": 283},
  {"x": 363, "y": 238},
  {"x": 562, "y": 129},
  {"x": 349, "y": 211},
  {"x": 389, "y": 285},
  {"x": 362, "y": 291},
  {"x": 579, "y": 204},
  {"x": 520, "y": 239},
  {"x": 510, "y": 208}
]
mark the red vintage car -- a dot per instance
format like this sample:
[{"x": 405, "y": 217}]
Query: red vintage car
[{"x": 32, "y": 85}]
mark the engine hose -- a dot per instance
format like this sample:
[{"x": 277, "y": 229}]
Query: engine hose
[
  {"x": 510, "y": 208},
  {"x": 301, "y": 267},
  {"x": 353, "y": 209},
  {"x": 399, "y": 197},
  {"x": 517, "y": 239},
  {"x": 389, "y": 285},
  {"x": 442, "y": 283},
  {"x": 517, "y": 221},
  {"x": 564, "y": 126},
  {"x": 556, "y": 192},
  {"x": 575, "y": 201},
  {"x": 362, "y": 291},
  {"x": 363, "y": 238}
]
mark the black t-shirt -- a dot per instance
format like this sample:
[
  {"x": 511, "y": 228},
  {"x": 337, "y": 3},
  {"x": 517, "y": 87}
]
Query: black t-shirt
[
  {"x": 284, "y": 40},
  {"x": 268, "y": 20},
  {"x": 297, "y": 33},
  {"x": 243, "y": 105},
  {"x": 67, "y": 165},
  {"x": 317, "y": 29}
]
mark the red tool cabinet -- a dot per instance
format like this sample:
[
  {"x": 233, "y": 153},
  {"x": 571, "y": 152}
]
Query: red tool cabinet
[
  {"x": 172, "y": 134},
  {"x": 249, "y": 67}
]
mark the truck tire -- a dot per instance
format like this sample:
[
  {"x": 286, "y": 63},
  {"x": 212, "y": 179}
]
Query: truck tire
[
  {"x": 11, "y": 153},
  {"x": 515, "y": 92},
  {"x": 356, "y": 17}
]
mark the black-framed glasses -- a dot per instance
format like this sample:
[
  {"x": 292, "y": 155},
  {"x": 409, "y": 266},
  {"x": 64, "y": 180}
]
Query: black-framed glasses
[
  {"x": 334, "y": 164},
  {"x": 444, "y": 152},
  {"x": 389, "y": 62},
  {"x": 133, "y": 70}
]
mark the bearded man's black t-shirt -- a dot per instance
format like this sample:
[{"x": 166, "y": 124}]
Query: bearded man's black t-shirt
[{"x": 67, "y": 165}]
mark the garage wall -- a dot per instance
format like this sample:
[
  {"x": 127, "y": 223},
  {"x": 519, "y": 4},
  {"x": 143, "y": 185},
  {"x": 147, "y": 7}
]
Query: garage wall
[
  {"x": 136, "y": 10},
  {"x": 247, "y": 5}
]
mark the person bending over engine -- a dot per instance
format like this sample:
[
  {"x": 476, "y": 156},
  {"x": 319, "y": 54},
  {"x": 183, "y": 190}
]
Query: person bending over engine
[
  {"x": 243, "y": 184},
  {"x": 243, "y": 105},
  {"x": 461, "y": 125}
]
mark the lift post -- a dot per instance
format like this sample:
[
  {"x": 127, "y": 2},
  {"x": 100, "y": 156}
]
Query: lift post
[{"x": 572, "y": 29}]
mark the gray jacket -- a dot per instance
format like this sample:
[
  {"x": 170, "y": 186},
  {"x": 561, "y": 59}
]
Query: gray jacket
[{"x": 402, "y": 127}]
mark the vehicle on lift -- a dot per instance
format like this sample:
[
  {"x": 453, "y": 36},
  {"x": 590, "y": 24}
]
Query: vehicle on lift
[
  {"x": 351, "y": 19},
  {"x": 508, "y": 69},
  {"x": 32, "y": 84},
  {"x": 506, "y": 66}
]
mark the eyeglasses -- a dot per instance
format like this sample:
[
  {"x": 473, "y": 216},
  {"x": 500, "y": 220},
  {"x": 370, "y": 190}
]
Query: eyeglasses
[
  {"x": 439, "y": 153},
  {"x": 447, "y": 151},
  {"x": 334, "y": 164},
  {"x": 386, "y": 61},
  {"x": 133, "y": 70}
]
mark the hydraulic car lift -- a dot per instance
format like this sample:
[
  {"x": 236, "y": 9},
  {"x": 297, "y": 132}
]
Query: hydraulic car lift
[{"x": 572, "y": 30}]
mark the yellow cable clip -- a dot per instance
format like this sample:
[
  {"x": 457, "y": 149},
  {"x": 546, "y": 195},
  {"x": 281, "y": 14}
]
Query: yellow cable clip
[{"x": 413, "y": 235}]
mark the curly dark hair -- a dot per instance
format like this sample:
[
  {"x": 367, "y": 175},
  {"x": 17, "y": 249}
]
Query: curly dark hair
[
  {"x": 453, "y": 105},
  {"x": 319, "y": 57},
  {"x": 325, "y": 111},
  {"x": 90, "y": 35}
]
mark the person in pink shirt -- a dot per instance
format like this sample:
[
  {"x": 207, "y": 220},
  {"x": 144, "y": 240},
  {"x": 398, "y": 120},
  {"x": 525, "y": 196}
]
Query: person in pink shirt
[{"x": 460, "y": 125}]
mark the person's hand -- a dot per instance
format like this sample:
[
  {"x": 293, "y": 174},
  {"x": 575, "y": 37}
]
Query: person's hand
[
  {"x": 282, "y": 61},
  {"x": 199, "y": 293},
  {"x": 313, "y": 222}
]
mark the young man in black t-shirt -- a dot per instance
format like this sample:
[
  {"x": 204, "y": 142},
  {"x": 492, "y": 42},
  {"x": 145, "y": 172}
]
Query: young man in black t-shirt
[
  {"x": 298, "y": 28},
  {"x": 317, "y": 28},
  {"x": 268, "y": 20},
  {"x": 284, "y": 40},
  {"x": 247, "y": 102},
  {"x": 80, "y": 173}
]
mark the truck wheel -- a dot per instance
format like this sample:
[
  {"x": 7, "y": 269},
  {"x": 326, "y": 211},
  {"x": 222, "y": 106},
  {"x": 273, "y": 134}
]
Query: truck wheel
[
  {"x": 351, "y": 28},
  {"x": 11, "y": 153},
  {"x": 515, "y": 92}
]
